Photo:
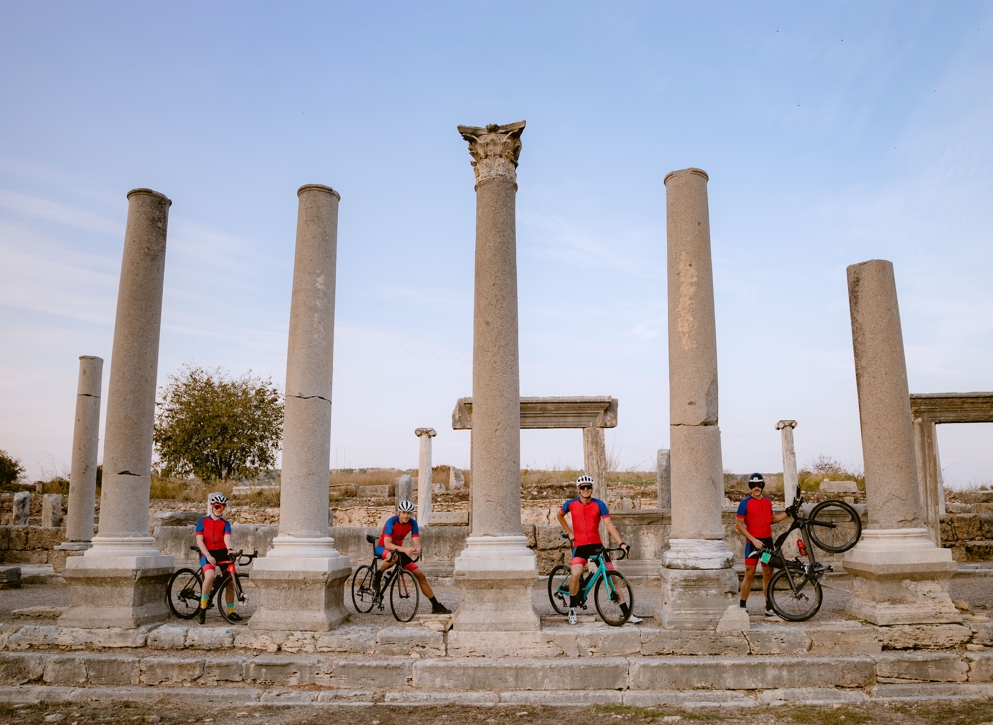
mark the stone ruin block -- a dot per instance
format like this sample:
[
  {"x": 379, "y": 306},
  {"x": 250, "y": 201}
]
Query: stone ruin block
[
  {"x": 51, "y": 510},
  {"x": 449, "y": 518},
  {"x": 839, "y": 487},
  {"x": 456, "y": 479},
  {"x": 22, "y": 508}
]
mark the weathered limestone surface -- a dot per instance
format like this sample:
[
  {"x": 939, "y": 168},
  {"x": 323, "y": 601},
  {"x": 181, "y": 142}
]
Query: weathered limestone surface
[
  {"x": 785, "y": 427},
  {"x": 424, "y": 436},
  {"x": 899, "y": 575},
  {"x": 51, "y": 511},
  {"x": 119, "y": 581},
  {"x": 85, "y": 444},
  {"x": 300, "y": 580},
  {"x": 663, "y": 479},
  {"x": 21, "y": 509}
]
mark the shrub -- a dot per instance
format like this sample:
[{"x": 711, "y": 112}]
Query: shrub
[
  {"x": 826, "y": 468},
  {"x": 11, "y": 471}
]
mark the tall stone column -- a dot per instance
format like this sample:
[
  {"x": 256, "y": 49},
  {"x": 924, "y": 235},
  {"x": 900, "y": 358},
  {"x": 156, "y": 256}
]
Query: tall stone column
[
  {"x": 496, "y": 570},
  {"x": 698, "y": 583},
  {"x": 790, "y": 479},
  {"x": 899, "y": 575},
  {"x": 85, "y": 442},
  {"x": 595, "y": 460},
  {"x": 424, "y": 475},
  {"x": 301, "y": 578},
  {"x": 119, "y": 581}
]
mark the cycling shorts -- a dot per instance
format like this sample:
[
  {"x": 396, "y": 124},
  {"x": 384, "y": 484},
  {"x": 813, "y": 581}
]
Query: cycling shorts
[
  {"x": 383, "y": 553},
  {"x": 581, "y": 554},
  {"x": 222, "y": 559},
  {"x": 752, "y": 554}
]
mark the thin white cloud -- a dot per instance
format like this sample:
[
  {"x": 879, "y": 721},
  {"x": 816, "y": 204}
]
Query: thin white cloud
[{"x": 36, "y": 207}]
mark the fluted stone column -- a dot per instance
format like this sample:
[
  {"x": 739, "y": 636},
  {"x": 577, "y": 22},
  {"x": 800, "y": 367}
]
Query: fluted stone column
[
  {"x": 899, "y": 575},
  {"x": 119, "y": 581},
  {"x": 301, "y": 578},
  {"x": 424, "y": 435},
  {"x": 785, "y": 428},
  {"x": 698, "y": 583},
  {"x": 85, "y": 443},
  {"x": 496, "y": 570}
]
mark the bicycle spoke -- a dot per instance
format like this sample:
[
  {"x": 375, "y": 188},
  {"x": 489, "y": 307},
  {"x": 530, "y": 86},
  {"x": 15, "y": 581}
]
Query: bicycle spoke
[
  {"x": 614, "y": 598},
  {"x": 404, "y": 596}
]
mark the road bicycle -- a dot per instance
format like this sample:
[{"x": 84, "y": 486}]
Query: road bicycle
[
  {"x": 401, "y": 584},
  {"x": 610, "y": 588},
  {"x": 795, "y": 589},
  {"x": 185, "y": 586}
]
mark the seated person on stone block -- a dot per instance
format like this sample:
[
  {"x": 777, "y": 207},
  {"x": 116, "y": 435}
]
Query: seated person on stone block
[
  {"x": 586, "y": 513},
  {"x": 754, "y": 522},
  {"x": 390, "y": 545},
  {"x": 214, "y": 542}
]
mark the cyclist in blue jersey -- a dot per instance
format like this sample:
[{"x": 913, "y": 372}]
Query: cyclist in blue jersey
[
  {"x": 586, "y": 514},
  {"x": 214, "y": 541},
  {"x": 390, "y": 545},
  {"x": 754, "y": 521}
]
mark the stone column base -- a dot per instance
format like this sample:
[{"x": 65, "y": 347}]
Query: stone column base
[
  {"x": 119, "y": 582},
  {"x": 66, "y": 549},
  {"x": 300, "y": 585},
  {"x": 495, "y": 575},
  {"x": 698, "y": 584},
  {"x": 900, "y": 577}
]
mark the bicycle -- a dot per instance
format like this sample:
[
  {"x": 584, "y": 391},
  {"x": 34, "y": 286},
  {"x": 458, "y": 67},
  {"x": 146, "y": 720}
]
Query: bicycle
[
  {"x": 610, "y": 588},
  {"x": 795, "y": 590},
  {"x": 185, "y": 586},
  {"x": 404, "y": 592}
]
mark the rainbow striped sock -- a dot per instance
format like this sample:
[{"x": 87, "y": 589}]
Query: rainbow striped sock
[
  {"x": 230, "y": 607},
  {"x": 204, "y": 598}
]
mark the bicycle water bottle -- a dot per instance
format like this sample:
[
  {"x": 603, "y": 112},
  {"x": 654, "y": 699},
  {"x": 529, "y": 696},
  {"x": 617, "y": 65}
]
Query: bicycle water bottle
[{"x": 802, "y": 547}]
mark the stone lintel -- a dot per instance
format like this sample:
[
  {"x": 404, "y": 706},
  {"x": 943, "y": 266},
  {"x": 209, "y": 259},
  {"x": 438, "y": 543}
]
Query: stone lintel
[
  {"x": 551, "y": 412},
  {"x": 952, "y": 407}
]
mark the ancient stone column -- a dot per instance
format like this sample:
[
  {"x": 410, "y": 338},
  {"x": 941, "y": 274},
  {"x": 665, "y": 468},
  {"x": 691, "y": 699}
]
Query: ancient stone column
[
  {"x": 785, "y": 427},
  {"x": 51, "y": 511},
  {"x": 595, "y": 461},
  {"x": 300, "y": 579},
  {"x": 21, "y": 510},
  {"x": 404, "y": 488},
  {"x": 85, "y": 443},
  {"x": 698, "y": 583},
  {"x": 899, "y": 575},
  {"x": 496, "y": 570},
  {"x": 663, "y": 479},
  {"x": 424, "y": 475},
  {"x": 119, "y": 581}
]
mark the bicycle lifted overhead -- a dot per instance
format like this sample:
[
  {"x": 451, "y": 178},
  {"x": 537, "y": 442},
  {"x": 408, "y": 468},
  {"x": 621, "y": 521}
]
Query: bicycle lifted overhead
[
  {"x": 612, "y": 594},
  {"x": 795, "y": 590},
  {"x": 184, "y": 588},
  {"x": 400, "y": 583}
]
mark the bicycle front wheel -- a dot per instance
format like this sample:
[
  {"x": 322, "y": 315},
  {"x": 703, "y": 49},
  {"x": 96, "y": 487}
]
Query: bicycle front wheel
[
  {"x": 614, "y": 599},
  {"x": 183, "y": 593},
  {"x": 558, "y": 588},
  {"x": 228, "y": 593},
  {"x": 363, "y": 594},
  {"x": 404, "y": 596},
  {"x": 834, "y": 526},
  {"x": 794, "y": 606}
]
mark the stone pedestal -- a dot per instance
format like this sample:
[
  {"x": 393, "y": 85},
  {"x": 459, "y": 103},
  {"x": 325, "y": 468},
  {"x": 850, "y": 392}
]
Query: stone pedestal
[
  {"x": 785, "y": 427},
  {"x": 120, "y": 581},
  {"x": 404, "y": 488},
  {"x": 496, "y": 570},
  {"x": 300, "y": 580},
  {"x": 424, "y": 435},
  {"x": 899, "y": 575},
  {"x": 51, "y": 510},
  {"x": 85, "y": 443},
  {"x": 21, "y": 510},
  {"x": 663, "y": 479}
]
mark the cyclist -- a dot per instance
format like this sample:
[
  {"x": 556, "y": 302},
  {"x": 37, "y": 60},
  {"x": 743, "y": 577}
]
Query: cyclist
[
  {"x": 214, "y": 541},
  {"x": 587, "y": 513},
  {"x": 754, "y": 522},
  {"x": 390, "y": 545}
]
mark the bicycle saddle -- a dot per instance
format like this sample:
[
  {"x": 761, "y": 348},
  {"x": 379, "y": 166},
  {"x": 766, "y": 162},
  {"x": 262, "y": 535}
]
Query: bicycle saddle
[{"x": 370, "y": 538}]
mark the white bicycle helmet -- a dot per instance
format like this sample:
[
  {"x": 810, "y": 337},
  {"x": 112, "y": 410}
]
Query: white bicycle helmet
[
  {"x": 216, "y": 497},
  {"x": 583, "y": 480},
  {"x": 406, "y": 507}
]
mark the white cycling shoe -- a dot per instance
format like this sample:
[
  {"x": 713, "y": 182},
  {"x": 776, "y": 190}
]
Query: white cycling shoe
[
  {"x": 634, "y": 620},
  {"x": 572, "y": 616}
]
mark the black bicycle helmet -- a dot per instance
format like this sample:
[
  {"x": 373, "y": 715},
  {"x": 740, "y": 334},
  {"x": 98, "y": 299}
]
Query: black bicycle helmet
[{"x": 756, "y": 479}]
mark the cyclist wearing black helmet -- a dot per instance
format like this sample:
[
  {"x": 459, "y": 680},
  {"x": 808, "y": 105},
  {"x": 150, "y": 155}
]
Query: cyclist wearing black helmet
[{"x": 754, "y": 521}]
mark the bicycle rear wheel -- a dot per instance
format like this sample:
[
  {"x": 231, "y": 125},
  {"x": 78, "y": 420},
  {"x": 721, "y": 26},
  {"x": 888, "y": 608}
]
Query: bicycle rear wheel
[
  {"x": 834, "y": 526},
  {"x": 616, "y": 602},
  {"x": 227, "y": 593},
  {"x": 558, "y": 588},
  {"x": 798, "y": 606},
  {"x": 404, "y": 596},
  {"x": 363, "y": 594},
  {"x": 183, "y": 593}
]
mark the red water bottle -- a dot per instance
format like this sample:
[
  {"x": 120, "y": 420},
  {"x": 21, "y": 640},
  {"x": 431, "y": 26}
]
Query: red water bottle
[{"x": 800, "y": 545}]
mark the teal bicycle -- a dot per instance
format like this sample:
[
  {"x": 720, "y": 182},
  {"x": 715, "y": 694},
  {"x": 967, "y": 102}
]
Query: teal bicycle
[{"x": 610, "y": 589}]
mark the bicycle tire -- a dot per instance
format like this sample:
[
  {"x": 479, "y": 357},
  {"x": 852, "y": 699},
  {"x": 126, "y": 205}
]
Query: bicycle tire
[
  {"x": 363, "y": 595},
  {"x": 838, "y": 529},
  {"x": 799, "y": 606},
  {"x": 559, "y": 580},
  {"x": 183, "y": 593},
  {"x": 610, "y": 607},
  {"x": 222, "y": 600},
  {"x": 404, "y": 596}
]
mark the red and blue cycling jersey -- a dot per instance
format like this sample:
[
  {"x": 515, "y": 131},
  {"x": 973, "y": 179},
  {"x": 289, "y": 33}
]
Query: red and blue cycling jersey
[
  {"x": 756, "y": 513},
  {"x": 586, "y": 519},
  {"x": 213, "y": 531},
  {"x": 397, "y": 531}
]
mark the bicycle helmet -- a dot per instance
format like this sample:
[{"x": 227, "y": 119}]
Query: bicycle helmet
[
  {"x": 584, "y": 480},
  {"x": 756, "y": 479},
  {"x": 406, "y": 507},
  {"x": 217, "y": 497}
]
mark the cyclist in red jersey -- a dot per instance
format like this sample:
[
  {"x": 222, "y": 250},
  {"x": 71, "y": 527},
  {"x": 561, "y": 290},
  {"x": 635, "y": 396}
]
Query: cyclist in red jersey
[
  {"x": 586, "y": 513},
  {"x": 390, "y": 545},
  {"x": 214, "y": 541},
  {"x": 754, "y": 521}
]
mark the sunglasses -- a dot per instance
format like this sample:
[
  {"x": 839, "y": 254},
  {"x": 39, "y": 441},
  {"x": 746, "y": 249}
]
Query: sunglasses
[
  {"x": 585, "y": 487},
  {"x": 219, "y": 505}
]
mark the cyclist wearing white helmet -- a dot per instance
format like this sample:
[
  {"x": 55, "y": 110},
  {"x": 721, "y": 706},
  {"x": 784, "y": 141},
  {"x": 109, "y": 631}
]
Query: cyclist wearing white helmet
[
  {"x": 214, "y": 541},
  {"x": 390, "y": 544},
  {"x": 754, "y": 521}
]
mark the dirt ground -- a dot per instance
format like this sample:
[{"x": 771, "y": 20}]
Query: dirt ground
[{"x": 951, "y": 713}]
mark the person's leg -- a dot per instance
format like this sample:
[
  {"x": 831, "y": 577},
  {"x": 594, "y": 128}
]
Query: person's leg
[
  {"x": 422, "y": 582},
  {"x": 746, "y": 583},
  {"x": 766, "y": 576},
  {"x": 208, "y": 584},
  {"x": 575, "y": 577}
]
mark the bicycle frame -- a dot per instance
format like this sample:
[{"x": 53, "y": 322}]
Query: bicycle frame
[
  {"x": 587, "y": 584},
  {"x": 800, "y": 522}
]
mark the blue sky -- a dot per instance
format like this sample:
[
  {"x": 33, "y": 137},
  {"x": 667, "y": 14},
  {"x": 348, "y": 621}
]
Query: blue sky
[{"x": 833, "y": 133}]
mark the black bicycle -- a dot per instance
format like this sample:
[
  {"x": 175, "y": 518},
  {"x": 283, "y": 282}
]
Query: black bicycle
[
  {"x": 795, "y": 589},
  {"x": 401, "y": 584},
  {"x": 610, "y": 588},
  {"x": 185, "y": 586}
]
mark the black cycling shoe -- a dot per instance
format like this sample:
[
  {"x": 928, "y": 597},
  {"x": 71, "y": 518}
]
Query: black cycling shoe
[
  {"x": 201, "y": 615},
  {"x": 235, "y": 617},
  {"x": 440, "y": 608}
]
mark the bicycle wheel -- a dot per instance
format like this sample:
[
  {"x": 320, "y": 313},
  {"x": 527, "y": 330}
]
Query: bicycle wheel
[
  {"x": 558, "y": 588},
  {"x": 614, "y": 605},
  {"x": 834, "y": 526},
  {"x": 183, "y": 593},
  {"x": 798, "y": 606},
  {"x": 229, "y": 595},
  {"x": 404, "y": 596},
  {"x": 363, "y": 595}
]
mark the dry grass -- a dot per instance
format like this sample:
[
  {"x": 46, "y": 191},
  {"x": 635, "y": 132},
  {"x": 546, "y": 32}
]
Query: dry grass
[
  {"x": 826, "y": 468},
  {"x": 365, "y": 476},
  {"x": 179, "y": 489}
]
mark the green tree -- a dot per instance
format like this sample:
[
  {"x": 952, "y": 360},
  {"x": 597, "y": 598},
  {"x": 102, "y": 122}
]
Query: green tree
[
  {"x": 216, "y": 427},
  {"x": 10, "y": 470}
]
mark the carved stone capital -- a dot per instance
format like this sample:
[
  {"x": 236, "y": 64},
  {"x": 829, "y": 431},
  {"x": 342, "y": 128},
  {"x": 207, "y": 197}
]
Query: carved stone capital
[
  {"x": 785, "y": 423},
  {"x": 495, "y": 150},
  {"x": 425, "y": 432}
]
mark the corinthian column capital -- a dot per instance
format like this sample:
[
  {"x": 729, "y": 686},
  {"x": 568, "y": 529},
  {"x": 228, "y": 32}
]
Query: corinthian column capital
[{"x": 495, "y": 150}]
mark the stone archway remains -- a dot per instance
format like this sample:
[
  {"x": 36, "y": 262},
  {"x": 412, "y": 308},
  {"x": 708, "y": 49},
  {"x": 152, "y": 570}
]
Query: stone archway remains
[{"x": 928, "y": 410}]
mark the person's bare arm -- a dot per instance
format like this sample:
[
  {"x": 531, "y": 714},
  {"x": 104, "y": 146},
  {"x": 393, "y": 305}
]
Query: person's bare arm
[
  {"x": 740, "y": 526},
  {"x": 779, "y": 517},
  {"x": 562, "y": 522},
  {"x": 612, "y": 530},
  {"x": 203, "y": 549},
  {"x": 416, "y": 548},
  {"x": 227, "y": 542}
]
